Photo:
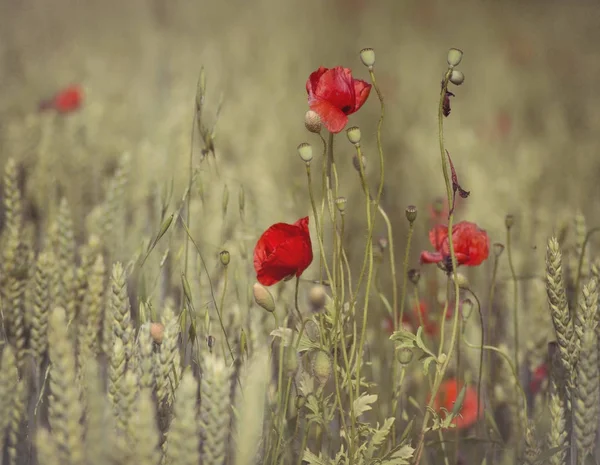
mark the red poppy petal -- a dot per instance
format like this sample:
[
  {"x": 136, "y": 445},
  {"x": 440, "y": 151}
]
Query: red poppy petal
[
  {"x": 362, "y": 90},
  {"x": 335, "y": 86},
  {"x": 431, "y": 257},
  {"x": 313, "y": 80},
  {"x": 438, "y": 235},
  {"x": 334, "y": 119}
]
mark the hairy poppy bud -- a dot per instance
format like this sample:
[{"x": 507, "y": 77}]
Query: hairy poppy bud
[
  {"x": 312, "y": 121},
  {"x": 317, "y": 296},
  {"x": 321, "y": 366},
  {"x": 404, "y": 355},
  {"x": 454, "y": 56},
  {"x": 225, "y": 257},
  {"x": 263, "y": 297},
  {"x": 411, "y": 213},
  {"x": 457, "y": 77},
  {"x": 367, "y": 56},
  {"x": 353, "y": 134},
  {"x": 305, "y": 152}
]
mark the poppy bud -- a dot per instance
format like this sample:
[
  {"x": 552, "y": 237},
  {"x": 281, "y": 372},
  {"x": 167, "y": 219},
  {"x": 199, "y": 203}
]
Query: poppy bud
[
  {"x": 367, "y": 56},
  {"x": 411, "y": 213},
  {"x": 312, "y": 121},
  {"x": 414, "y": 275},
  {"x": 462, "y": 281},
  {"x": 353, "y": 134},
  {"x": 383, "y": 243},
  {"x": 263, "y": 297},
  {"x": 321, "y": 366},
  {"x": 454, "y": 56},
  {"x": 317, "y": 297},
  {"x": 340, "y": 203},
  {"x": 305, "y": 151},
  {"x": 404, "y": 355},
  {"x": 356, "y": 165},
  {"x": 300, "y": 402},
  {"x": 291, "y": 361},
  {"x": 457, "y": 77},
  {"x": 442, "y": 358},
  {"x": 225, "y": 257},
  {"x": 509, "y": 221}
]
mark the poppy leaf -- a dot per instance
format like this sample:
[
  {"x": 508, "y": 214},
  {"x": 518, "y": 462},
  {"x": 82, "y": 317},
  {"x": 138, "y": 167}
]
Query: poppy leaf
[{"x": 459, "y": 401}]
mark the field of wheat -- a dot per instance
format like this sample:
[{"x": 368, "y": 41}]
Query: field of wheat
[{"x": 316, "y": 232}]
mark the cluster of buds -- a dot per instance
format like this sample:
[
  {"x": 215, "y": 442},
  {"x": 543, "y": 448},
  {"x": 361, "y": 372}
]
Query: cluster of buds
[{"x": 454, "y": 59}]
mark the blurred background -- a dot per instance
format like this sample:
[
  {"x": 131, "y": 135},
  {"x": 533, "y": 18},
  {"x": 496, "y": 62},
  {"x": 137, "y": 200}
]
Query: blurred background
[{"x": 523, "y": 132}]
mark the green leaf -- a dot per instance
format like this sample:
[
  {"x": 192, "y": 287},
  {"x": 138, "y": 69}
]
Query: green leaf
[
  {"x": 458, "y": 403},
  {"x": 379, "y": 436},
  {"x": 400, "y": 457},
  {"x": 312, "y": 459},
  {"x": 362, "y": 404}
]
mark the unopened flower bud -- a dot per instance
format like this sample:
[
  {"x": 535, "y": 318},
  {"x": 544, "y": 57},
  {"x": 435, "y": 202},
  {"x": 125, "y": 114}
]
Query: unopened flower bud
[
  {"x": 300, "y": 402},
  {"x": 457, "y": 77},
  {"x": 454, "y": 56},
  {"x": 317, "y": 296},
  {"x": 414, "y": 275},
  {"x": 462, "y": 281},
  {"x": 404, "y": 355},
  {"x": 340, "y": 203},
  {"x": 225, "y": 257},
  {"x": 367, "y": 56},
  {"x": 312, "y": 121},
  {"x": 383, "y": 243},
  {"x": 305, "y": 152},
  {"x": 263, "y": 297},
  {"x": 356, "y": 164},
  {"x": 442, "y": 358},
  {"x": 411, "y": 213},
  {"x": 466, "y": 308},
  {"x": 509, "y": 221},
  {"x": 291, "y": 361},
  {"x": 157, "y": 332},
  {"x": 321, "y": 366},
  {"x": 353, "y": 134}
]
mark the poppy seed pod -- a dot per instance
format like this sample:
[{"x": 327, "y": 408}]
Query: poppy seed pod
[
  {"x": 263, "y": 297},
  {"x": 353, "y": 134},
  {"x": 225, "y": 257},
  {"x": 454, "y": 56},
  {"x": 367, "y": 56},
  {"x": 509, "y": 221},
  {"x": 411, "y": 213},
  {"x": 312, "y": 122},
  {"x": 498, "y": 248},
  {"x": 414, "y": 275},
  {"x": 305, "y": 152},
  {"x": 321, "y": 366},
  {"x": 457, "y": 77},
  {"x": 340, "y": 203}
]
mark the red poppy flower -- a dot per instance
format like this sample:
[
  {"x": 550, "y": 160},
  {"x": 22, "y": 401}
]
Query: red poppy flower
[
  {"x": 282, "y": 251},
  {"x": 67, "y": 100},
  {"x": 538, "y": 377},
  {"x": 334, "y": 94},
  {"x": 447, "y": 396},
  {"x": 471, "y": 244}
]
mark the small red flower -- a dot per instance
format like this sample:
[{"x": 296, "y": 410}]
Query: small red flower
[
  {"x": 447, "y": 396},
  {"x": 538, "y": 377},
  {"x": 282, "y": 251},
  {"x": 334, "y": 94},
  {"x": 67, "y": 100},
  {"x": 471, "y": 244}
]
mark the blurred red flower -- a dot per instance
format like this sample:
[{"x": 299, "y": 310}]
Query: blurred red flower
[
  {"x": 67, "y": 100},
  {"x": 538, "y": 377},
  {"x": 471, "y": 244},
  {"x": 411, "y": 321},
  {"x": 284, "y": 250},
  {"x": 334, "y": 94},
  {"x": 447, "y": 396}
]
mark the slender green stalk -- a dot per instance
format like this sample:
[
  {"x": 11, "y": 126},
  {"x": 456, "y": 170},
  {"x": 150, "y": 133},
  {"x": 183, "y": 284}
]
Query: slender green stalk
[{"x": 442, "y": 367}]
